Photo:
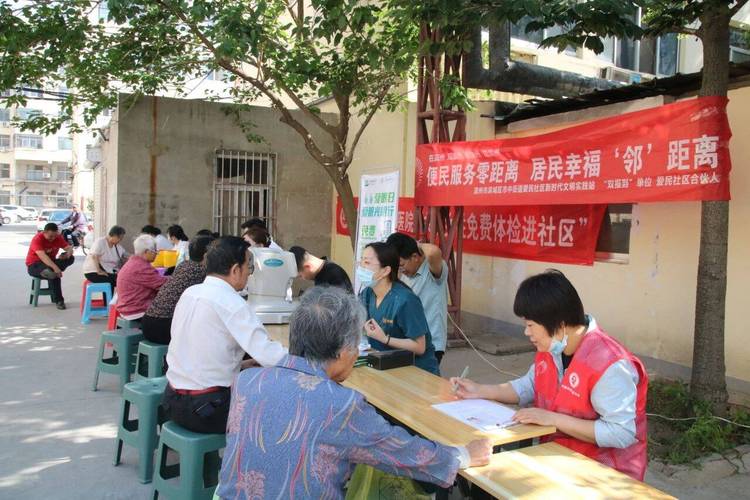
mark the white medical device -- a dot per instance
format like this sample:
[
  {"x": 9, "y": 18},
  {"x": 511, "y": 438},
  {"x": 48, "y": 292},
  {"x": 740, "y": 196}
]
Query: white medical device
[{"x": 269, "y": 288}]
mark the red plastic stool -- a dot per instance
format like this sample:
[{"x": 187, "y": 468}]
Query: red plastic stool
[
  {"x": 112, "y": 320},
  {"x": 94, "y": 302}
]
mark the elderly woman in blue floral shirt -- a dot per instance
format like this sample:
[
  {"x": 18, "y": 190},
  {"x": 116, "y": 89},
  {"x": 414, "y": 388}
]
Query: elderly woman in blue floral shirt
[{"x": 295, "y": 432}]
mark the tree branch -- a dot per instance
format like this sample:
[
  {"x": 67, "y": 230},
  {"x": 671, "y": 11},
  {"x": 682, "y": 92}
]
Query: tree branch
[
  {"x": 734, "y": 10},
  {"x": 286, "y": 115},
  {"x": 368, "y": 117}
]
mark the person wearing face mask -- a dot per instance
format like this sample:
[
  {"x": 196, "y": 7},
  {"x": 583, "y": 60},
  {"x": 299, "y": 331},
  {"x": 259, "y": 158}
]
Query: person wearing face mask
[
  {"x": 583, "y": 381},
  {"x": 338, "y": 430},
  {"x": 395, "y": 316}
]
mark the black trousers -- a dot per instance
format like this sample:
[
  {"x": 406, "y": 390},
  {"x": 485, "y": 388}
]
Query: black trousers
[
  {"x": 205, "y": 413},
  {"x": 55, "y": 285},
  {"x": 157, "y": 329},
  {"x": 110, "y": 278}
]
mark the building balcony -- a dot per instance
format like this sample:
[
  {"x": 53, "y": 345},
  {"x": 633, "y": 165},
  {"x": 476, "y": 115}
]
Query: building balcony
[{"x": 43, "y": 155}]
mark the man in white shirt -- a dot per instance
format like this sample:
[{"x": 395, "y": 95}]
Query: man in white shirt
[{"x": 212, "y": 329}]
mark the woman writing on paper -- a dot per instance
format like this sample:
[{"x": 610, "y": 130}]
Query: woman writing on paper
[
  {"x": 582, "y": 381},
  {"x": 395, "y": 314}
]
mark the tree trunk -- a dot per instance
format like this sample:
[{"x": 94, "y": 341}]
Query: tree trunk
[
  {"x": 708, "y": 380},
  {"x": 344, "y": 190}
]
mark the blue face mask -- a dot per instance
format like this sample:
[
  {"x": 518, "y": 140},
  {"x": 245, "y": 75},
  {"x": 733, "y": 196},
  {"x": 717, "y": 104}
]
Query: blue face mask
[
  {"x": 558, "y": 346},
  {"x": 364, "y": 276}
]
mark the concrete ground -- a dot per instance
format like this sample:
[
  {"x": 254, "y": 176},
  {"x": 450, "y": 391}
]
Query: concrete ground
[{"x": 57, "y": 436}]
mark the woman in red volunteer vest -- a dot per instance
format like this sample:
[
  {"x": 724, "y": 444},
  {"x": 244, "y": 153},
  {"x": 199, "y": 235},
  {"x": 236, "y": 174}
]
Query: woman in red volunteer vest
[{"x": 582, "y": 381}]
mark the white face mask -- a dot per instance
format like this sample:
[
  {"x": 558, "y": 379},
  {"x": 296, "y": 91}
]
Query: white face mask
[
  {"x": 558, "y": 346},
  {"x": 365, "y": 276}
]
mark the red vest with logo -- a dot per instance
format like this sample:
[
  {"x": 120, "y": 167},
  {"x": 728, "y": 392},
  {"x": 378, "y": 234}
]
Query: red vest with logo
[{"x": 596, "y": 352}]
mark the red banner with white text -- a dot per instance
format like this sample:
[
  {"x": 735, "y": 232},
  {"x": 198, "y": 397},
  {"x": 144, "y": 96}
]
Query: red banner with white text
[
  {"x": 675, "y": 152},
  {"x": 565, "y": 234}
]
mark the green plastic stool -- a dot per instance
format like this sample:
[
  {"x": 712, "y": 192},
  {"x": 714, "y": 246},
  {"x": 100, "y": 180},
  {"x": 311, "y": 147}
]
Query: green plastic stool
[
  {"x": 37, "y": 290},
  {"x": 151, "y": 360},
  {"x": 140, "y": 432},
  {"x": 128, "y": 323},
  {"x": 124, "y": 348},
  {"x": 198, "y": 466}
]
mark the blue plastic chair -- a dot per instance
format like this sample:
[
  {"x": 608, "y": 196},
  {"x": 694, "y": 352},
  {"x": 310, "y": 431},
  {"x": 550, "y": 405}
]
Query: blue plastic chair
[{"x": 89, "y": 311}]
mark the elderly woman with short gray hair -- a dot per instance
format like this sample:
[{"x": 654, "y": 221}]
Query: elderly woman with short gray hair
[{"x": 295, "y": 432}]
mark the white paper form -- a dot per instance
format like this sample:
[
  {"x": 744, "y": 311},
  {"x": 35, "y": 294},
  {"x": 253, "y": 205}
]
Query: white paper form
[{"x": 481, "y": 414}]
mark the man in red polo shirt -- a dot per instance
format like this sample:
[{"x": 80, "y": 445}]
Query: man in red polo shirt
[{"x": 42, "y": 260}]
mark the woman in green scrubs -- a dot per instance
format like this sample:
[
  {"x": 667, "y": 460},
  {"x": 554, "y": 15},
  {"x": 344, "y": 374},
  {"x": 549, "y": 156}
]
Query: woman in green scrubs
[{"x": 395, "y": 314}]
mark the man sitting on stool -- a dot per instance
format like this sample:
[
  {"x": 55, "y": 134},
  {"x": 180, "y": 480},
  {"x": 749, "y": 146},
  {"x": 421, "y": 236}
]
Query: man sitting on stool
[
  {"x": 42, "y": 261},
  {"x": 212, "y": 329}
]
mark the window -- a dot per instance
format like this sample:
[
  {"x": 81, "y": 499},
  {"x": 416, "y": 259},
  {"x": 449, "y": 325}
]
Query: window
[
  {"x": 63, "y": 174},
  {"x": 35, "y": 173},
  {"x": 4, "y": 141},
  {"x": 5, "y": 197},
  {"x": 4, "y": 115},
  {"x": 739, "y": 45},
  {"x": 244, "y": 187},
  {"x": 217, "y": 75},
  {"x": 65, "y": 143},
  {"x": 667, "y": 54},
  {"x": 34, "y": 93},
  {"x": 518, "y": 30},
  {"x": 6, "y": 93},
  {"x": 26, "y": 113},
  {"x": 61, "y": 199},
  {"x": 103, "y": 11},
  {"x": 613, "y": 244},
  {"x": 32, "y": 199},
  {"x": 29, "y": 141},
  {"x": 4, "y": 170}
]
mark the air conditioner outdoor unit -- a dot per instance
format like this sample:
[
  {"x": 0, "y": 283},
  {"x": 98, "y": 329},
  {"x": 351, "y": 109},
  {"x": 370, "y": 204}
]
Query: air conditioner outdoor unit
[{"x": 624, "y": 75}]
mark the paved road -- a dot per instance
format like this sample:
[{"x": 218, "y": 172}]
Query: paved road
[{"x": 56, "y": 435}]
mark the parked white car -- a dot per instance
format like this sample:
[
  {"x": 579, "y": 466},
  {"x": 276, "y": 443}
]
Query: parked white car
[
  {"x": 32, "y": 211},
  {"x": 16, "y": 213}
]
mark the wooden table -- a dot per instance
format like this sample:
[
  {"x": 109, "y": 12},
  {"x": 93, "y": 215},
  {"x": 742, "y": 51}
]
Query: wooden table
[
  {"x": 407, "y": 394},
  {"x": 553, "y": 471},
  {"x": 544, "y": 471}
]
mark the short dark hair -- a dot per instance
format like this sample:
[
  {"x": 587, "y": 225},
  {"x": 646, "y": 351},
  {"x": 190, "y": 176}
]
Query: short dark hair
[
  {"x": 176, "y": 231},
  {"x": 550, "y": 300},
  {"x": 259, "y": 235},
  {"x": 198, "y": 247},
  {"x": 204, "y": 232},
  {"x": 117, "y": 231},
  {"x": 225, "y": 252},
  {"x": 50, "y": 226},
  {"x": 299, "y": 256},
  {"x": 152, "y": 230},
  {"x": 405, "y": 245},
  {"x": 254, "y": 222}
]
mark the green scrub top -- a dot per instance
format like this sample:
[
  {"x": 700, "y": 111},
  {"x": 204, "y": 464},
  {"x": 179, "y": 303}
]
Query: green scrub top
[{"x": 401, "y": 315}]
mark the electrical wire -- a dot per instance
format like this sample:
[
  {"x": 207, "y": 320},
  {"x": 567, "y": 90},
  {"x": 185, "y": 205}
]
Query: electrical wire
[
  {"x": 514, "y": 375},
  {"x": 673, "y": 419}
]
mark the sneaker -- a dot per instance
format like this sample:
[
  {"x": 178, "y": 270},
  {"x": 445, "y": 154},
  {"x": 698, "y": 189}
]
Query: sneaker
[
  {"x": 48, "y": 274},
  {"x": 61, "y": 305}
]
